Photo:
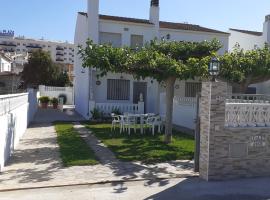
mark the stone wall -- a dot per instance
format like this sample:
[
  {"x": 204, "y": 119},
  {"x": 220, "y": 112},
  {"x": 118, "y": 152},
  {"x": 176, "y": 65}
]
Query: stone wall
[{"x": 228, "y": 153}]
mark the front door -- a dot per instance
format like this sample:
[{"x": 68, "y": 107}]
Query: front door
[{"x": 139, "y": 88}]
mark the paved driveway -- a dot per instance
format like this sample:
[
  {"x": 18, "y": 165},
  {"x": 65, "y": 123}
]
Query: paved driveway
[{"x": 36, "y": 161}]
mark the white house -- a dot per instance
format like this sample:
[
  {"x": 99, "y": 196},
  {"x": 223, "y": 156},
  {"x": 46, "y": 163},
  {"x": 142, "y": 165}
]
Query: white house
[
  {"x": 5, "y": 63},
  {"x": 248, "y": 40},
  {"x": 115, "y": 89}
]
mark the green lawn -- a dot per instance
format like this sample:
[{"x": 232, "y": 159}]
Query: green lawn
[
  {"x": 74, "y": 150},
  {"x": 146, "y": 148}
]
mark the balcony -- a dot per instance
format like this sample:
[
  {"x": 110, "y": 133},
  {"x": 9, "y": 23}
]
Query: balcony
[
  {"x": 59, "y": 60},
  {"x": 59, "y": 48},
  {"x": 33, "y": 46},
  {"x": 8, "y": 44},
  {"x": 59, "y": 53}
]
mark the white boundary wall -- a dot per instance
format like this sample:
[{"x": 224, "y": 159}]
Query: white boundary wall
[
  {"x": 184, "y": 110},
  {"x": 16, "y": 112},
  {"x": 56, "y": 91}
]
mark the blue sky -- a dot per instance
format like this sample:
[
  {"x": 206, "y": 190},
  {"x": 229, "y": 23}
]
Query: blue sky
[{"x": 55, "y": 19}]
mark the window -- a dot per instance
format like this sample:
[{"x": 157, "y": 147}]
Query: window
[
  {"x": 118, "y": 89},
  {"x": 192, "y": 89},
  {"x": 136, "y": 41},
  {"x": 115, "y": 39}
]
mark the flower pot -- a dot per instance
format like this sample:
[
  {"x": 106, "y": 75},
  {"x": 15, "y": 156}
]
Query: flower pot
[
  {"x": 44, "y": 105},
  {"x": 55, "y": 105}
]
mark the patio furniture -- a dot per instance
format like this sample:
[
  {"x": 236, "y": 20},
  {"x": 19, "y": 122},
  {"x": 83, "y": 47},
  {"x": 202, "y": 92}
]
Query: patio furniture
[
  {"x": 127, "y": 122},
  {"x": 153, "y": 122},
  {"x": 115, "y": 120}
]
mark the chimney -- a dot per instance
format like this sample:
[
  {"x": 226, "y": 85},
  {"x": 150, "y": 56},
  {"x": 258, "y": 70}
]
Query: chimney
[
  {"x": 93, "y": 20},
  {"x": 154, "y": 12},
  {"x": 266, "y": 29},
  {"x": 154, "y": 15}
]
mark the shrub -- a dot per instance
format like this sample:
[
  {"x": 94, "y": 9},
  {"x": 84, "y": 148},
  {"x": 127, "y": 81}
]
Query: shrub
[
  {"x": 54, "y": 100},
  {"x": 44, "y": 99},
  {"x": 97, "y": 114},
  {"x": 64, "y": 97}
]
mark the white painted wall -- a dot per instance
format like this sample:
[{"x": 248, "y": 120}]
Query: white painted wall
[
  {"x": 183, "y": 113},
  {"x": 16, "y": 112},
  {"x": 192, "y": 36},
  {"x": 5, "y": 66},
  {"x": 152, "y": 103},
  {"x": 246, "y": 41},
  {"x": 54, "y": 92},
  {"x": 81, "y": 86}
]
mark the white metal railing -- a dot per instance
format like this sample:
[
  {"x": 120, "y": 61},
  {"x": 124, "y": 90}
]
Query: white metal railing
[
  {"x": 247, "y": 115},
  {"x": 50, "y": 88},
  {"x": 185, "y": 101},
  {"x": 122, "y": 107},
  {"x": 11, "y": 102},
  {"x": 248, "y": 98}
]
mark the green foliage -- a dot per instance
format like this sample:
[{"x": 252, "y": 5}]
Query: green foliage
[
  {"x": 246, "y": 67},
  {"x": 54, "y": 100},
  {"x": 74, "y": 150},
  {"x": 44, "y": 99},
  {"x": 159, "y": 60},
  {"x": 97, "y": 114},
  {"x": 146, "y": 148},
  {"x": 41, "y": 70}
]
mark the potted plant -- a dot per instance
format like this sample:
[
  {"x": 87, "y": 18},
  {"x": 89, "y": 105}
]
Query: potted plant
[
  {"x": 54, "y": 102},
  {"x": 44, "y": 101}
]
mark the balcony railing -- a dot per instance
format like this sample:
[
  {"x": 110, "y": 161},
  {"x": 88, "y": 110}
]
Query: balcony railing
[
  {"x": 59, "y": 48},
  {"x": 59, "y": 60},
  {"x": 34, "y": 46},
  {"x": 8, "y": 44},
  {"x": 59, "y": 54}
]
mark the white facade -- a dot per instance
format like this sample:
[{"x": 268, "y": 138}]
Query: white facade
[
  {"x": 249, "y": 40},
  {"x": 120, "y": 31},
  {"x": 16, "y": 112},
  {"x": 61, "y": 52},
  {"x": 5, "y": 64}
]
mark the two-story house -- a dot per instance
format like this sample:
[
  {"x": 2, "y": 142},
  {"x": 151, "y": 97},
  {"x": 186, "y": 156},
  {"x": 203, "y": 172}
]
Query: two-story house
[{"x": 122, "y": 31}]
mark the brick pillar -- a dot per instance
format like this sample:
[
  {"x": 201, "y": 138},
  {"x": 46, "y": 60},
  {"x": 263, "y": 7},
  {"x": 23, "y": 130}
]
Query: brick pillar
[{"x": 212, "y": 115}]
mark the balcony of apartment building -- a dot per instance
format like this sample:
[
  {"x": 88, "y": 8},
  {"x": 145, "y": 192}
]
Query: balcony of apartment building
[
  {"x": 59, "y": 53},
  {"x": 33, "y": 46},
  {"x": 59, "y": 59},
  {"x": 8, "y": 44},
  {"x": 58, "y": 48},
  {"x": 8, "y": 50}
]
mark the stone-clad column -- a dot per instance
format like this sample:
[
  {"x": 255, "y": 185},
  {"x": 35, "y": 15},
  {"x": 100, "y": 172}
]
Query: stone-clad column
[{"x": 212, "y": 117}]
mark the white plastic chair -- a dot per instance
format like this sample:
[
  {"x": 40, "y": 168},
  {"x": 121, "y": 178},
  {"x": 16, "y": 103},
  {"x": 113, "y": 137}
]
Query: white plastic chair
[
  {"x": 153, "y": 122},
  {"x": 127, "y": 122},
  {"x": 115, "y": 120}
]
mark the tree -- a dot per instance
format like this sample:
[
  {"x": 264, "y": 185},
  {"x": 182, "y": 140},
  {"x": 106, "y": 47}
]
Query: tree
[
  {"x": 243, "y": 68},
  {"x": 41, "y": 70},
  {"x": 161, "y": 60}
]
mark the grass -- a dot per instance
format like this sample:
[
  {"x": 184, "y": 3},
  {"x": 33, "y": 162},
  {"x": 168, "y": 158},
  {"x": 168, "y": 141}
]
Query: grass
[
  {"x": 146, "y": 148},
  {"x": 74, "y": 150}
]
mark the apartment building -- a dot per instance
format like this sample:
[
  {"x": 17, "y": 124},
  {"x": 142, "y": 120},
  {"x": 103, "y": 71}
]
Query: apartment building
[{"x": 19, "y": 48}]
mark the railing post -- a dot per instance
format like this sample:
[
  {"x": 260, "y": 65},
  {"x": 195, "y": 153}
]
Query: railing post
[{"x": 140, "y": 107}]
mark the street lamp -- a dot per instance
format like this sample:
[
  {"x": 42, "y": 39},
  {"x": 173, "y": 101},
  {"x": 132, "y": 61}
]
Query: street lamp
[{"x": 213, "y": 68}]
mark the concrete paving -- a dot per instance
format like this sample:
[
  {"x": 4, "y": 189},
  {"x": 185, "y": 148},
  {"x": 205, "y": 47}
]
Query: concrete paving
[
  {"x": 50, "y": 115},
  {"x": 168, "y": 189},
  {"x": 36, "y": 163}
]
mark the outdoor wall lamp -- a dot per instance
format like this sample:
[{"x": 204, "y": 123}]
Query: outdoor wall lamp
[{"x": 213, "y": 68}]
